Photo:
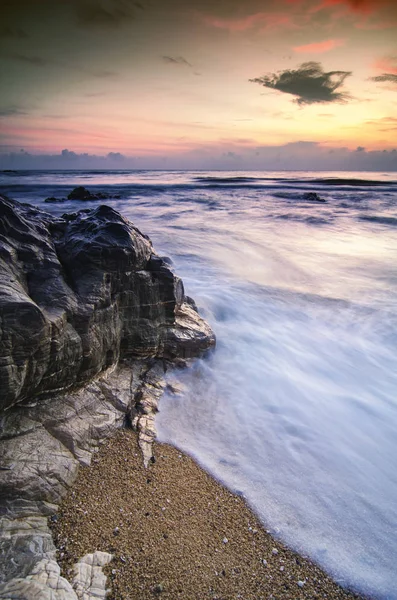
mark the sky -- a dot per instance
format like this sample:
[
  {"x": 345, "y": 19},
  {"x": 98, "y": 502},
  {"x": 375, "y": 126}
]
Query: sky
[{"x": 198, "y": 84}]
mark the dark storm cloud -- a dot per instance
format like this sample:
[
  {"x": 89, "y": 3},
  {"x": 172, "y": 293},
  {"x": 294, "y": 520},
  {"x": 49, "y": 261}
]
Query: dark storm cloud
[
  {"x": 107, "y": 13},
  {"x": 98, "y": 74},
  {"x": 12, "y": 32},
  {"x": 385, "y": 77},
  {"x": 309, "y": 83},
  {"x": 11, "y": 111},
  {"x": 36, "y": 61},
  {"x": 95, "y": 95},
  {"x": 176, "y": 60}
]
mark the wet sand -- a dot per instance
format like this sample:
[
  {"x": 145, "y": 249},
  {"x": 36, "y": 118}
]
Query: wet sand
[{"x": 175, "y": 532}]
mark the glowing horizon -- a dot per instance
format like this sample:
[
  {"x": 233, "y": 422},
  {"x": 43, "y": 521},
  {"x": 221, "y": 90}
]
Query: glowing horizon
[{"x": 100, "y": 76}]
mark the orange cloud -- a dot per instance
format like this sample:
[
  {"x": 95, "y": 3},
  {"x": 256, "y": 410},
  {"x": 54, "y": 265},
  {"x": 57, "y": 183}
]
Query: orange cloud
[
  {"x": 262, "y": 20},
  {"x": 319, "y": 47}
]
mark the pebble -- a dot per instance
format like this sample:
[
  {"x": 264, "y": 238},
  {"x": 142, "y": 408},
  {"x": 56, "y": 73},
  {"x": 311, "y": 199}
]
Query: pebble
[{"x": 116, "y": 531}]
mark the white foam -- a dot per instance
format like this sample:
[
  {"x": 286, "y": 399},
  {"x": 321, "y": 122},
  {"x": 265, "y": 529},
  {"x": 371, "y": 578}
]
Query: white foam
[{"x": 297, "y": 407}]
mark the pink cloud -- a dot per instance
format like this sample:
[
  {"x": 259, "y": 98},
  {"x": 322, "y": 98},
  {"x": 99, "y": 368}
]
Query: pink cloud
[
  {"x": 367, "y": 12},
  {"x": 262, "y": 21},
  {"x": 361, "y": 7},
  {"x": 319, "y": 47},
  {"x": 387, "y": 64}
]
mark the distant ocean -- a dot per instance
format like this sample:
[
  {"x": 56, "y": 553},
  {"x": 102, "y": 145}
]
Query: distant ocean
[{"x": 297, "y": 407}]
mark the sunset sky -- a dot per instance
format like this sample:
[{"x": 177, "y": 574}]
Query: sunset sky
[{"x": 198, "y": 80}]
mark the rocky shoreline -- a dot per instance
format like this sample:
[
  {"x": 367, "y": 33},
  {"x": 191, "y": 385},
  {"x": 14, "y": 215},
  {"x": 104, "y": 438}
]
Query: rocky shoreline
[{"x": 90, "y": 319}]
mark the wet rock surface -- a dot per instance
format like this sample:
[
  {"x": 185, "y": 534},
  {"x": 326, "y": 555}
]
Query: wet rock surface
[
  {"x": 82, "y": 193},
  {"x": 313, "y": 197},
  {"x": 90, "y": 319},
  {"x": 80, "y": 292}
]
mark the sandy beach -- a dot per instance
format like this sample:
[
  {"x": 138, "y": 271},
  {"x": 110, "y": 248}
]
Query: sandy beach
[{"x": 176, "y": 533}]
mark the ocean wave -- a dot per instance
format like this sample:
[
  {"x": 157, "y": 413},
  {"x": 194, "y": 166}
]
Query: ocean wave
[
  {"x": 350, "y": 182},
  {"x": 392, "y": 221},
  {"x": 308, "y": 197},
  {"x": 309, "y": 219},
  {"x": 229, "y": 179}
]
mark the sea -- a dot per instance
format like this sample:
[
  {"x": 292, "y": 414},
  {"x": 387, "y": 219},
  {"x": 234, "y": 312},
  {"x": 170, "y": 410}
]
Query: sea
[{"x": 296, "y": 409}]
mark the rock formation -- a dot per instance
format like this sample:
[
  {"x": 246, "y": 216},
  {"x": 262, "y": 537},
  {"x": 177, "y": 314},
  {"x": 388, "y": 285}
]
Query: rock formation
[
  {"x": 313, "y": 197},
  {"x": 90, "y": 317},
  {"x": 81, "y": 193}
]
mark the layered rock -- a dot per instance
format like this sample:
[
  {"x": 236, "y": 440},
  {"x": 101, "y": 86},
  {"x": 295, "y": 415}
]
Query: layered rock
[
  {"x": 80, "y": 292},
  {"x": 90, "y": 318}
]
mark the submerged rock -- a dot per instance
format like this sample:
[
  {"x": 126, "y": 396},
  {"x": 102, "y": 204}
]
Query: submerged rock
[
  {"x": 81, "y": 193},
  {"x": 313, "y": 197}
]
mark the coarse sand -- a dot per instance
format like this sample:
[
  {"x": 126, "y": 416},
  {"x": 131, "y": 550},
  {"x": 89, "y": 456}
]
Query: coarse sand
[{"x": 175, "y": 532}]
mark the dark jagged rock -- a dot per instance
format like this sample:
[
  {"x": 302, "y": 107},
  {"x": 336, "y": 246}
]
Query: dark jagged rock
[
  {"x": 313, "y": 197},
  {"x": 81, "y": 193},
  {"x": 79, "y": 292},
  {"x": 90, "y": 318}
]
